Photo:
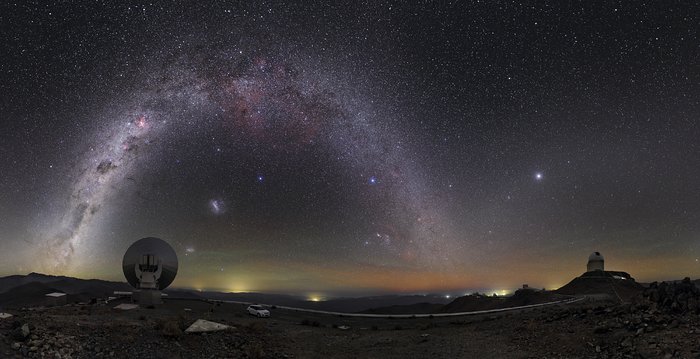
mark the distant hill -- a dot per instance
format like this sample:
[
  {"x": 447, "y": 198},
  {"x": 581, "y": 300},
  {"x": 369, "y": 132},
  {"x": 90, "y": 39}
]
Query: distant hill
[
  {"x": 30, "y": 290},
  {"x": 24, "y": 295},
  {"x": 354, "y": 305},
  {"x": 521, "y": 297},
  {"x": 9, "y": 282},
  {"x": 418, "y": 308},
  {"x": 345, "y": 305},
  {"x": 63, "y": 284},
  {"x": 471, "y": 303}
]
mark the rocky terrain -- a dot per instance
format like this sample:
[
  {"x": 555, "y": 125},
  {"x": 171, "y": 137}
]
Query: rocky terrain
[{"x": 662, "y": 322}]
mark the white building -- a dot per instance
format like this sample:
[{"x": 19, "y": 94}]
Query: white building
[
  {"x": 56, "y": 299},
  {"x": 595, "y": 262}
]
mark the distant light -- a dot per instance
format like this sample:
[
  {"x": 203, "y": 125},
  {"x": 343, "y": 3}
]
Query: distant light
[
  {"x": 373, "y": 180},
  {"x": 501, "y": 292},
  {"x": 239, "y": 287},
  {"x": 447, "y": 296},
  {"x": 261, "y": 178},
  {"x": 539, "y": 176}
]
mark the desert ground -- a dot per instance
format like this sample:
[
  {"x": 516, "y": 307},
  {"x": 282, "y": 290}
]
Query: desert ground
[{"x": 586, "y": 329}]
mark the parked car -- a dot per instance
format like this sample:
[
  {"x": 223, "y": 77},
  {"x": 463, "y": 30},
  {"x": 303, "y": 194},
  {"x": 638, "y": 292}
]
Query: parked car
[{"x": 258, "y": 311}]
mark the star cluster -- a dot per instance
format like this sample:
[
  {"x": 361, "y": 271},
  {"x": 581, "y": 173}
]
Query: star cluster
[{"x": 351, "y": 147}]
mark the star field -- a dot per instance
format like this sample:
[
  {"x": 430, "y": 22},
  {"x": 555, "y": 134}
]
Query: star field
[{"x": 351, "y": 148}]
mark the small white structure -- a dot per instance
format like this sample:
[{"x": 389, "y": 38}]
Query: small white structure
[
  {"x": 5, "y": 315},
  {"x": 595, "y": 262},
  {"x": 205, "y": 326},
  {"x": 126, "y": 306},
  {"x": 56, "y": 299}
]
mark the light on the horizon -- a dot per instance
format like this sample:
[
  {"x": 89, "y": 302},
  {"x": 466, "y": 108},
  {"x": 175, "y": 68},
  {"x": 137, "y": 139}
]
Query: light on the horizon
[
  {"x": 501, "y": 292},
  {"x": 238, "y": 288},
  {"x": 554, "y": 286}
]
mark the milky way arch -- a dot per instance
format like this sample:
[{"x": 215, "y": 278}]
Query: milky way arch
[{"x": 261, "y": 100}]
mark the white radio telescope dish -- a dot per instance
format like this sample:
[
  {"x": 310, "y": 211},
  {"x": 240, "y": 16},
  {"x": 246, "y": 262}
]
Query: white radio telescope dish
[{"x": 150, "y": 263}]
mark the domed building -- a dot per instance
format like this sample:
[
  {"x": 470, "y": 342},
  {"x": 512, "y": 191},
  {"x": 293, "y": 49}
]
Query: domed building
[
  {"x": 596, "y": 268},
  {"x": 595, "y": 262},
  {"x": 598, "y": 283}
]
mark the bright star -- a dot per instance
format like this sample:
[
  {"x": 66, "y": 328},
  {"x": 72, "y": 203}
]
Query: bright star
[
  {"x": 373, "y": 180},
  {"x": 539, "y": 176}
]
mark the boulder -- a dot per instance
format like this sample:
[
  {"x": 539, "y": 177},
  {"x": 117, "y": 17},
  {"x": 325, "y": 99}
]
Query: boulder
[
  {"x": 21, "y": 333},
  {"x": 205, "y": 326}
]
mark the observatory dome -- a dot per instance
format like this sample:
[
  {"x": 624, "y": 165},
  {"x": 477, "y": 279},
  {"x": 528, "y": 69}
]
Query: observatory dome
[
  {"x": 152, "y": 255},
  {"x": 595, "y": 262}
]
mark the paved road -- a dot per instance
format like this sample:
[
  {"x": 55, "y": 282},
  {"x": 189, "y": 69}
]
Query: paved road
[{"x": 363, "y": 315}]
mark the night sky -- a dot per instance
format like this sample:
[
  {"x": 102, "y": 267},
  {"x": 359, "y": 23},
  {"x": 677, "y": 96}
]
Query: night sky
[{"x": 352, "y": 148}]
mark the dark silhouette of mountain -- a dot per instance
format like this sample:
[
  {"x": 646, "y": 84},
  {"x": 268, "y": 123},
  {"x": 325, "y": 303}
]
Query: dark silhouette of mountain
[
  {"x": 523, "y": 297},
  {"x": 181, "y": 293},
  {"x": 30, "y": 290},
  {"x": 9, "y": 282},
  {"x": 418, "y": 308},
  {"x": 273, "y": 299},
  {"x": 345, "y": 305},
  {"x": 93, "y": 287},
  {"x": 63, "y": 284},
  {"x": 472, "y": 302},
  {"x": 25, "y": 295},
  {"x": 354, "y": 305}
]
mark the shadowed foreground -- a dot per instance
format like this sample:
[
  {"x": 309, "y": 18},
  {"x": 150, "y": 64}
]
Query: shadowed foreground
[{"x": 576, "y": 330}]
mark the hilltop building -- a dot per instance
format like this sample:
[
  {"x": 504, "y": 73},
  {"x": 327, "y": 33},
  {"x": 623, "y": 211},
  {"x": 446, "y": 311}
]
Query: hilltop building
[
  {"x": 599, "y": 283},
  {"x": 595, "y": 262},
  {"x": 596, "y": 268}
]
